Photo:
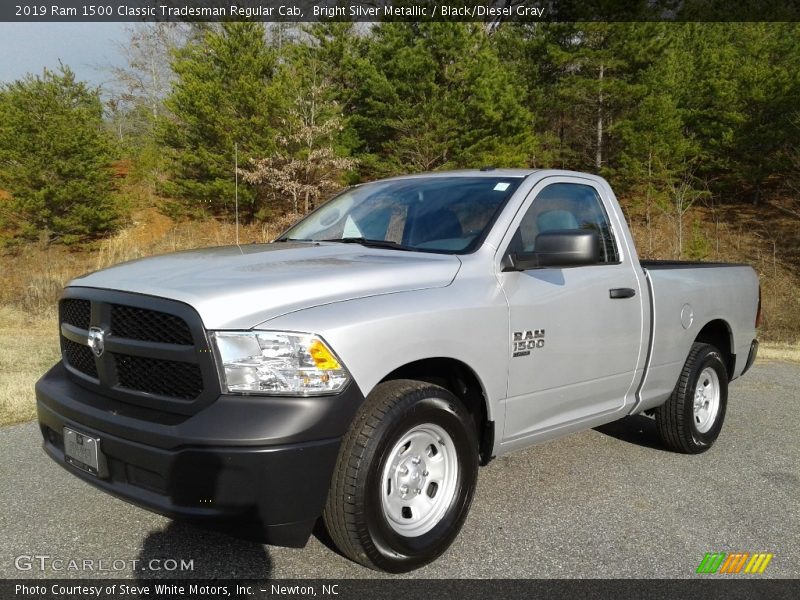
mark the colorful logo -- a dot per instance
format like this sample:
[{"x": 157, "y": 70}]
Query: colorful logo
[{"x": 734, "y": 562}]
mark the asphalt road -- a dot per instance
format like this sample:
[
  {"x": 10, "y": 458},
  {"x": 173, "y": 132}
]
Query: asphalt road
[{"x": 602, "y": 503}]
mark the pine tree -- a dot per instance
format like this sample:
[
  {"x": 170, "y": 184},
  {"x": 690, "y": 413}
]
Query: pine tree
[
  {"x": 220, "y": 99},
  {"x": 767, "y": 88},
  {"x": 55, "y": 156},
  {"x": 435, "y": 95},
  {"x": 342, "y": 53},
  {"x": 656, "y": 155}
]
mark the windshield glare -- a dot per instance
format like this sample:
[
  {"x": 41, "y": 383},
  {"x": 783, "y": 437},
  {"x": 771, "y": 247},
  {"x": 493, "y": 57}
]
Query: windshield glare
[{"x": 435, "y": 214}]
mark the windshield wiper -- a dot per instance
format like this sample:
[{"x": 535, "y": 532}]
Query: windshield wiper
[
  {"x": 293, "y": 240},
  {"x": 369, "y": 243}
]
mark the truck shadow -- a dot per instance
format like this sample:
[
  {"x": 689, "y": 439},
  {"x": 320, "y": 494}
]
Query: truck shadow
[
  {"x": 321, "y": 533},
  {"x": 213, "y": 555},
  {"x": 636, "y": 429}
]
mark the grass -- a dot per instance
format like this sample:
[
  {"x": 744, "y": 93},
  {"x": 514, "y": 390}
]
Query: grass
[
  {"x": 28, "y": 348},
  {"x": 779, "y": 351}
]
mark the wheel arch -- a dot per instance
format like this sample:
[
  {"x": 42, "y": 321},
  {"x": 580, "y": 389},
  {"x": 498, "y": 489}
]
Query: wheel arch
[
  {"x": 464, "y": 383},
  {"x": 718, "y": 333}
]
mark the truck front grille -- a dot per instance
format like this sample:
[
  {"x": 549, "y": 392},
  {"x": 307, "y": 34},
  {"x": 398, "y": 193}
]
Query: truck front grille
[
  {"x": 155, "y": 351},
  {"x": 150, "y": 325},
  {"x": 162, "y": 377},
  {"x": 76, "y": 312},
  {"x": 80, "y": 357}
]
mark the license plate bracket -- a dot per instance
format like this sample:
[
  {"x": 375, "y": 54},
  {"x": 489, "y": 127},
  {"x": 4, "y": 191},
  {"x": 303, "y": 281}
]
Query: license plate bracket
[{"x": 82, "y": 451}]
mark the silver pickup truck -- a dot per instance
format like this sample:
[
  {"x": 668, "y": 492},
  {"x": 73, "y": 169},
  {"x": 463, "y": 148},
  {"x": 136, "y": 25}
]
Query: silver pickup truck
[{"x": 362, "y": 365}]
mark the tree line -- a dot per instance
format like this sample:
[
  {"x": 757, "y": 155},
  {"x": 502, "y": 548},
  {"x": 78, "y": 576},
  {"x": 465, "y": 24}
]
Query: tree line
[{"x": 673, "y": 114}]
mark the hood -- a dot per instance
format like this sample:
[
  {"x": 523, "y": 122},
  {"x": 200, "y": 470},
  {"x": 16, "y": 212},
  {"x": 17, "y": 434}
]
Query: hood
[{"x": 238, "y": 287}]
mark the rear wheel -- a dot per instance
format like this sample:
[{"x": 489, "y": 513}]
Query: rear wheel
[
  {"x": 691, "y": 419},
  {"x": 405, "y": 477}
]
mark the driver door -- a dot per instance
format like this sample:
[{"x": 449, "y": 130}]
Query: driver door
[{"x": 575, "y": 348}]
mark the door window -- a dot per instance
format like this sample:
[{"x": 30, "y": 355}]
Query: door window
[{"x": 566, "y": 206}]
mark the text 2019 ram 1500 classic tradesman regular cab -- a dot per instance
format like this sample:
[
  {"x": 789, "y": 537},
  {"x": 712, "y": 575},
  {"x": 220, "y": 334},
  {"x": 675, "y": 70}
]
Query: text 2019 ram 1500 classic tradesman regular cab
[{"x": 362, "y": 365}]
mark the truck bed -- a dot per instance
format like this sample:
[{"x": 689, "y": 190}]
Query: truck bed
[{"x": 685, "y": 298}]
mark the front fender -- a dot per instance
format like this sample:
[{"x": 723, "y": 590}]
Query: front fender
[{"x": 377, "y": 335}]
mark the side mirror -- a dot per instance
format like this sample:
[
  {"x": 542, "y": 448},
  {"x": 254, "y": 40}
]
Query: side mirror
[{"x": 558, "y": 248}]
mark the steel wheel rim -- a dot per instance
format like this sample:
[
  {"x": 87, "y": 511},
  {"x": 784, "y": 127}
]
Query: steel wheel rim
[
  {"x": 706, "y": 400},
  {"x": 418, "y": 482}
]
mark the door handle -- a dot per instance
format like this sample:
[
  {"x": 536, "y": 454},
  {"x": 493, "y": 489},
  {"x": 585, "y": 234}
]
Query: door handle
[{"x": 615, "y": 293}]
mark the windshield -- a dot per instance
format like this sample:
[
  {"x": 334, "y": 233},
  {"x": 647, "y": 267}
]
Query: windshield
[{"x": 434, "y": 214}]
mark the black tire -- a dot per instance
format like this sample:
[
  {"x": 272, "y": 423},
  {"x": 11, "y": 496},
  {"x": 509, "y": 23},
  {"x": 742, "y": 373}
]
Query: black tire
[
  {"x": 676, "y": 420},
  {"x": 354, "y": 515}
]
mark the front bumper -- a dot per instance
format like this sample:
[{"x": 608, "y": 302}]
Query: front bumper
[{"x": 261, "y": 463}]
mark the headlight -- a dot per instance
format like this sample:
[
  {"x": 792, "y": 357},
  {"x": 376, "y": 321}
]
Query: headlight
[{"x": 277, "y": 363}]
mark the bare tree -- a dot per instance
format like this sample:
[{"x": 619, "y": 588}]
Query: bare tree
[
  {"x": 147, "y": 76},
  {"x": 138, "y": 92},
  {"x": 684, "y": 196},
  {"x": 306, "y": 166},
  {"x": 598, "y": 158}
]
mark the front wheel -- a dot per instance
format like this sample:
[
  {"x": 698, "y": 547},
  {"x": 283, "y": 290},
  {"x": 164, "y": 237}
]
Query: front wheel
[
  {"x": 405, "y": 477},
  {"x": 691, "y": 419}
]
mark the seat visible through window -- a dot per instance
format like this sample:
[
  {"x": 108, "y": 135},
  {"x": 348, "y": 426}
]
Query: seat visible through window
[
  {"x": 441, "y": 224},
  {"x": 552, "y": 220}
]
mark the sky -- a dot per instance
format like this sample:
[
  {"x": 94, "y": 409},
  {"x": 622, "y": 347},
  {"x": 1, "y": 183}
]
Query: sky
[{"x": 86, "y": 47}]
